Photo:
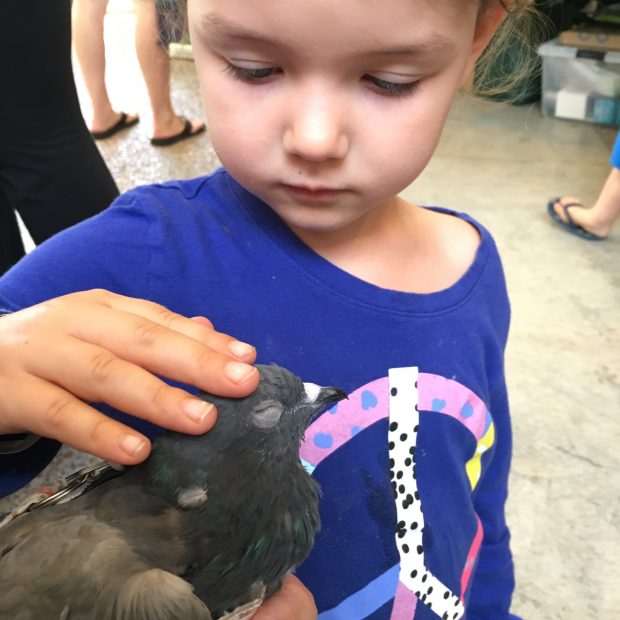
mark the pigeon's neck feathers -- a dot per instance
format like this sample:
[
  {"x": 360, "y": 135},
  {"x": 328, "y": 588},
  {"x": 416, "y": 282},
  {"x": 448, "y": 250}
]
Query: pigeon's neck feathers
[{"x": 180, "y": 462}]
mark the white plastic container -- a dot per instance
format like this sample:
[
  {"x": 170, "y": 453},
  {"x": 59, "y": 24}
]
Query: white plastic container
[{"x": 580, "y": 84}]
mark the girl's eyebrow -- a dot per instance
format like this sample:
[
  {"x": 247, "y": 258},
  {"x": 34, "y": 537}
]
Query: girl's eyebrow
[
  {"x": 221, "y": 27},
  {"x": 217, "y": 25}
]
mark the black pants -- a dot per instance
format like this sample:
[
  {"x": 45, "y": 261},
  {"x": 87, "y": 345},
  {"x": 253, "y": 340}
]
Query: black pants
[{"x": 50, "y": 169}]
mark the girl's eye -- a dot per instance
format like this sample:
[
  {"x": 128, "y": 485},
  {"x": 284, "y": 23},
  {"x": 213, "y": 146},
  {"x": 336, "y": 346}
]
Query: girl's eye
[
  {"x": 246, "y": 74},
  {"x": 392, "y": 89}
]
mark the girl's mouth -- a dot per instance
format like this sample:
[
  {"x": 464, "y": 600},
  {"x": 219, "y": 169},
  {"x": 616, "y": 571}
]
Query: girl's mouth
[{"x": 312, "y": 194}]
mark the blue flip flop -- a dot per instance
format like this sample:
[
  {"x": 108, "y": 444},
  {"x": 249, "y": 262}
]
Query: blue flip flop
[{"x": 569, "y": 225}]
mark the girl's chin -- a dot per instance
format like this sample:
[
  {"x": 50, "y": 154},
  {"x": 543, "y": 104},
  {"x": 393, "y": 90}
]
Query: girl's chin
[{"x": 324, "y": 228}]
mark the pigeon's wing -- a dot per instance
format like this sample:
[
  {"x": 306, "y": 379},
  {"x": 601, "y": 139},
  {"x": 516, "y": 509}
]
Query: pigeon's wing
[
  {"x": 43, "y": 555},
  {"x": 112, "y": 554},
  {"x": 153, "y": 594}
]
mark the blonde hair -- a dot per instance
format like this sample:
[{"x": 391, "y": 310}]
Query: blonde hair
[{"x": 511, "y": 59}]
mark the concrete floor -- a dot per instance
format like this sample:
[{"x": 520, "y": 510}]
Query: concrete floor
[{"x": 500, "y": 164}]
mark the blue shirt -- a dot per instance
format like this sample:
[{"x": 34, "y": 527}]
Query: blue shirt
[{"x": 413, "y": 466}]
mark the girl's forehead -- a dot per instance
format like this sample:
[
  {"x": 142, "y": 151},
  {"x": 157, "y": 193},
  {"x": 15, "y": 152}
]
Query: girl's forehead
[
  {"x": 342, "y": 22},
  {"x": 354, "y": 8}
]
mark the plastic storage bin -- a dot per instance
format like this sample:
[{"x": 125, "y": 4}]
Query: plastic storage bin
[{"x": 580, "y": 84}]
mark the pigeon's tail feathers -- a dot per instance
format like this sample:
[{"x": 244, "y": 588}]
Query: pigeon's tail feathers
[{"x": 156, "y": 594}]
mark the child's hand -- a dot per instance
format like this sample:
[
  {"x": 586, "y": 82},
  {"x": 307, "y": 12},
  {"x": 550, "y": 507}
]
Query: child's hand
[
  {"x": 293, "y": 601},
  {"x": 97, "y": 346}
]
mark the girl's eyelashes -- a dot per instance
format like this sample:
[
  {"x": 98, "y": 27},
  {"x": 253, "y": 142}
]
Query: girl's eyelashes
[
  {"x": 247, "y": 74},
  {"x": 257, "y": 75},
  {"x": 392, "y": 89}
]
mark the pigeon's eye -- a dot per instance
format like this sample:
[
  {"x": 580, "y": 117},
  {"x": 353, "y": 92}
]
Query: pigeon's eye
[{"x": 267, "y": 413}]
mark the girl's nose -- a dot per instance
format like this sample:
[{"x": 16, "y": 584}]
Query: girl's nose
[{"x": 315, "y": 130}]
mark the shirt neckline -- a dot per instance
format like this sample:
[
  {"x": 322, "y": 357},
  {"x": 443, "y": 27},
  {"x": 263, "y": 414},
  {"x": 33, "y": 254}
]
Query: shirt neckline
[{"x": 345, "y": 285}]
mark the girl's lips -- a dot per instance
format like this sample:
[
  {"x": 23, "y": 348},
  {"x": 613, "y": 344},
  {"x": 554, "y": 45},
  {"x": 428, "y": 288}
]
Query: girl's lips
[{"x": 312, "y": 193}]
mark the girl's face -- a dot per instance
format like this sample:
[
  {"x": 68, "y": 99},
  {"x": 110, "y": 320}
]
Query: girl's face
[{"x": 326, "y": 109}]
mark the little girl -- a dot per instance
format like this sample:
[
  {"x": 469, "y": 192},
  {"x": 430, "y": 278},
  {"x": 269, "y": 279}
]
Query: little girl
[{"x": 321, "y": 113}]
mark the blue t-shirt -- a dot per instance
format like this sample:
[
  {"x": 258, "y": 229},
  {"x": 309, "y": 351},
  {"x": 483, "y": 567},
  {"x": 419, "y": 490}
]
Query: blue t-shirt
[{"x": 413, "y": 466}]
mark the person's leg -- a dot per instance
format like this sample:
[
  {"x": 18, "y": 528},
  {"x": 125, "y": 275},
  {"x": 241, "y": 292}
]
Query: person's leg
[
  {"x": 600, "y": 218},
  {"x": 155, "y": 65},
  {"x": 58, "y": 178},
  {"x": 11, "y": 245},
  {"x": 88, "y": 40},
  {"x": 52, "y": 173}
]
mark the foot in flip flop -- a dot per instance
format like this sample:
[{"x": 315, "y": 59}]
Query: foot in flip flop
[
  {"x": 125, "y": 121},
  {"x": 568, "y": 213},
  {"x": 190, "y": 129}
]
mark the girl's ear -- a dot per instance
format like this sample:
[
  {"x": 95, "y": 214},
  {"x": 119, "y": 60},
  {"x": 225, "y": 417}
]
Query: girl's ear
[{"x": 487, "y": 26}]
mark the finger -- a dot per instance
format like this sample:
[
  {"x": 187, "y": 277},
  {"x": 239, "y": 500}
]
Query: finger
[
  {"x": 57, "y": 414},
  {"x": 167, "y": 352},
  {"x": 223, "y": 343},
  {"x": 200, "y": 328},
  {"x": 203, "y": 320},
  {"x": 179, "y": 357},
  {"x": 100, "y": 376},
  {"x": 227, "y": 344},
  {"x": 292, "y": 601}
]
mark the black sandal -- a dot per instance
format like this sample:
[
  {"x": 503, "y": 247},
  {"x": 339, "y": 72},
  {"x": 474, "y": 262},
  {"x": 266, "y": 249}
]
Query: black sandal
[
  {"x": 124, "y": 122},
  {"x": 184, "y": 134}
]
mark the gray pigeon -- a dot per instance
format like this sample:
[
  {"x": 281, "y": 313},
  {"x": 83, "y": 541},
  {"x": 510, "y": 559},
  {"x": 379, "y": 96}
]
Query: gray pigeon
[{"x": 206, "y": 525}]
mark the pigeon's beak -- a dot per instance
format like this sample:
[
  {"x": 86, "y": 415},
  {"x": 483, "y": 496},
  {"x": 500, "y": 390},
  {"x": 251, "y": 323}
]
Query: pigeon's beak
[
  {"x": 318, "y": 398},
  {"x": 329, "y": 395}
]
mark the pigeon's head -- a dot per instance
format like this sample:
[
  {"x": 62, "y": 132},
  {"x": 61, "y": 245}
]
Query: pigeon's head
[
  {"x": 283, "y": 398},
  {"x": 276, "y": 413}
]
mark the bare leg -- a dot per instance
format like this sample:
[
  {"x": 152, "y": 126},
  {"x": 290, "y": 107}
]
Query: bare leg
[
  {"x": 155, "y": 65},
  {"x": 88, "y": 18},
  {"x": 601, "y": 217}
]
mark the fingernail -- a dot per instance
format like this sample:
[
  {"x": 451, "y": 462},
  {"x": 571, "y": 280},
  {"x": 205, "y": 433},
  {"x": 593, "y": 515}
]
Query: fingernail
[
  {"x": 132, "y": 444},
  {"x": 239, "y": 373},
  {"x": 197, "y": 410},
  {"x": 240, "y": 349}
]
